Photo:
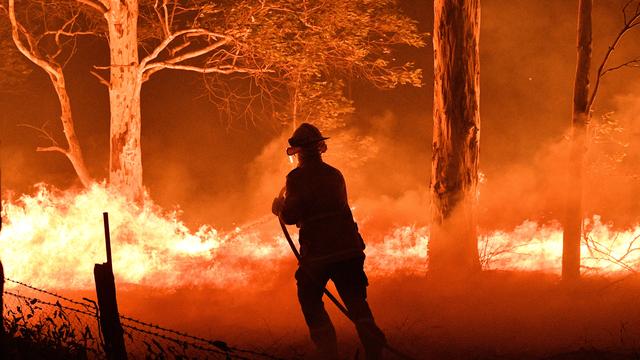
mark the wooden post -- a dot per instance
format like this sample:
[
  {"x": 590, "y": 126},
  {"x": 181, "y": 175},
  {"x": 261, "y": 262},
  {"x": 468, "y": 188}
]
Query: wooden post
[
  {"x": 2, "y": 337},
  {"x": 106, "y": 291}
]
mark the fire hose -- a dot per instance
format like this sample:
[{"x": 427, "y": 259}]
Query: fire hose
[{"x": 331, "y": 297}]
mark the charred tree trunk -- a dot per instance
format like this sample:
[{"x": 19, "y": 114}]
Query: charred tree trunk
[
  {"x": 456, "y": 136},
  {"x": 573, "y": 217},
  {"x": 125, "y": 156}
]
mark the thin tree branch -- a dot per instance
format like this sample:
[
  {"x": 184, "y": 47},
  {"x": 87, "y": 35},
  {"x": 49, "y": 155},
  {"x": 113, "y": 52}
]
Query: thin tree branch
[
  {"x": 226, "y": 70},
  {"x": 68, "y": 33},
  {"x": 53, "y": 149},
  {"x": 161, "y": 19},
  {"x": 101, "y": 79},
  {"x": 163, "y": 45},
  {"x": 629, "y": 24},
  {"x": 179, "y": 48},
  {"x": 30, "y": 52},
  {"x": 630, "y": 63},
  {"x": 98, "y": 6},
  {"x": 196, "y": 53}
]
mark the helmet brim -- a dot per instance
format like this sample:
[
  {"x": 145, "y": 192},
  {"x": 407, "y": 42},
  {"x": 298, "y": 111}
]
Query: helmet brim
[{"x": 292, "y": 150}]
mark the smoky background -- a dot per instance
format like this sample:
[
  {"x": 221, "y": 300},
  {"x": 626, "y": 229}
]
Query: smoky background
[{"x": 224, "y": 172}]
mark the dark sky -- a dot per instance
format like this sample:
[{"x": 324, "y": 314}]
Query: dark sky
[{"x": 191, "y": 156}]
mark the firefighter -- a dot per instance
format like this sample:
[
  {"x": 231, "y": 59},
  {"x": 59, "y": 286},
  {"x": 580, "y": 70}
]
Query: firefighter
[{"x": 331, "y": 247}]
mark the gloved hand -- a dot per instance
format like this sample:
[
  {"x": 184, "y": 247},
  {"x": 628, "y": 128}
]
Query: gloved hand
[{"x": 276, "y": 206}]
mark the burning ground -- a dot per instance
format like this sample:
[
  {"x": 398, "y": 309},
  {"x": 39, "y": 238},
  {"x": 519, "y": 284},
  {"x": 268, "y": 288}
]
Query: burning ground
[
  {"x": 237, "y": 284},
  {"x": 52, "y": 239}
]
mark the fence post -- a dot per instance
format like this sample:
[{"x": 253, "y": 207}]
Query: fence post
[
  {"x": 108, "y": 306},
  {"x": 2, "y": 336}
]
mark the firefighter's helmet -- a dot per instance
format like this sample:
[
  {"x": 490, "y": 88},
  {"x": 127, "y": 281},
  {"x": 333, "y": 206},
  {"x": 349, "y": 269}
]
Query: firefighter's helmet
[{"x": 306, "y": 135}]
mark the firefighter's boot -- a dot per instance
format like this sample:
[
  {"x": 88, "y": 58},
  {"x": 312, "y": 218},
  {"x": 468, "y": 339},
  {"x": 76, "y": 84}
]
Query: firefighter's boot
[
  {"x": 325, "y": 341},
  {"x": 372, "y": 338}
]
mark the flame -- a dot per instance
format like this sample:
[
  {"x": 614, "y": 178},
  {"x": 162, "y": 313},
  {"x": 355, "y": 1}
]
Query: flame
[{"x": 52, "y": 238}]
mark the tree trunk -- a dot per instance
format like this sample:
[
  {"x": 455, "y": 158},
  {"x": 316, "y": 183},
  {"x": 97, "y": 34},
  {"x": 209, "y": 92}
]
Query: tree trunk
[
  {"x": 74, "y": 152},
  {"x": 54, "y": 70},
  {"x": 125, "y": 160},
  {"x": 573, "y": 217},
  {"x": 456, "y": 137}
]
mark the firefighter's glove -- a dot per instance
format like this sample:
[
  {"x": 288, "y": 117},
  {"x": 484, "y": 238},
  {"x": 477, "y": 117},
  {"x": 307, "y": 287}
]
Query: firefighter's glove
[{"x": 277, "y": 205}]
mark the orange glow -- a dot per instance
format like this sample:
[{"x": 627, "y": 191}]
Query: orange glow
[{"x": 53, "y": 238}]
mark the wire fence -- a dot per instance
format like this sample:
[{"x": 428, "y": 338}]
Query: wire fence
[
  {"x": 70, "y": 328},
  {"x": 38, "y": 321}
]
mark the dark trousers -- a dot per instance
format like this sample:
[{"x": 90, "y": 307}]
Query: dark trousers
[{"x": 351, "y": 283}]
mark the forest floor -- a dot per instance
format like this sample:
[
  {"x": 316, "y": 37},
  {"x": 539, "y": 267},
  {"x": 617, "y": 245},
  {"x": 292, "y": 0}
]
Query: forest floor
[{"x": 495, "y": 315}]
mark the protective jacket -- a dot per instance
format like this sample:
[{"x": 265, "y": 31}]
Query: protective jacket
[{"x": 316, "y": 201}]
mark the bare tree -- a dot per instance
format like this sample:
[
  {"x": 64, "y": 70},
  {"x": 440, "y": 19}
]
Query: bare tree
[
  {"x": 453, "y": 242},
  {"x": 583, "y": 100},
  {"x": 49, "y": 46},
  {"x": 300, "y": 43},
  {"x": 194, "y": 36}
]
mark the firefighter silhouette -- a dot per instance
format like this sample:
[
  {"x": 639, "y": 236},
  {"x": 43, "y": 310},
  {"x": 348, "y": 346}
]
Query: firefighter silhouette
[{"x": 331, "y": 247}]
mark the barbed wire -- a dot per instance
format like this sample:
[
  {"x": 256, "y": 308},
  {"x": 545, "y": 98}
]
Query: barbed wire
[
  {"x": 85, "y": 303},
  {"x": 34, "y": 301},
  {"x": 221, "y": 347},
  {"x": 42, "y": 313},
  {"x": 219, "y": 344},
  {"x": 184, "y": 342}
]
